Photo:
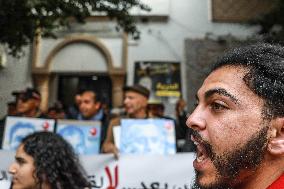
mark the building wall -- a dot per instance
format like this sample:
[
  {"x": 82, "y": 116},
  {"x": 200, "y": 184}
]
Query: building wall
[
  {"x": 200, "y": 56},
  {"x": 162, "y": 40},
  {"x": 187, "y": 19},
  {"x": 15, "y": 76}
]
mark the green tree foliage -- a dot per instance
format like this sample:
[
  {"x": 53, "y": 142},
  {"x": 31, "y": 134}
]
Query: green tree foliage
[
  {"x": 21, "y": 20},
  {"x": 272, "y": 23}
]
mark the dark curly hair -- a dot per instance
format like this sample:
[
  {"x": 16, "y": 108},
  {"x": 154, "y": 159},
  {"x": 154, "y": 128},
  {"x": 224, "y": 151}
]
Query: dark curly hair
[
  {"x": 55, "y": 161},
  {"x": 265, "y": 76}
]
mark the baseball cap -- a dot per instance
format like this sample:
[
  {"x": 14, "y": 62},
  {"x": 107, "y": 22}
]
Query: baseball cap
[
  {"x": 138, "y": 89},
  {"x": 16, "y": 93},
  {"x": 29, "y": 93}
]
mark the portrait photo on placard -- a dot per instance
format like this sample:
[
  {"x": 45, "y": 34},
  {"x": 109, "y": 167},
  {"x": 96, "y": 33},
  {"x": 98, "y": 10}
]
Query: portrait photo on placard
[
  {"x": 147, "y": 136},
  {"x": 84, "y": 136},
  {"x": 16, "y": 128}
]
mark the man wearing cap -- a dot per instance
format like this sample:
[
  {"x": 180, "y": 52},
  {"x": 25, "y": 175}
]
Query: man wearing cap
[
  {"x": 28, "y": 104},
  {"x": 135, "y": 104}
]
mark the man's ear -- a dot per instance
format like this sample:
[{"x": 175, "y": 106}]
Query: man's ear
[
  {"x": 98, "y": 105},
  {"x": 37, "y": 103},
  {"x": 276, "y": 141}
]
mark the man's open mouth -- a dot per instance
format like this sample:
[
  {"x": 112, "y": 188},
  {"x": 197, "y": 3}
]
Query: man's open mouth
[{"x": 201, "y": 152}]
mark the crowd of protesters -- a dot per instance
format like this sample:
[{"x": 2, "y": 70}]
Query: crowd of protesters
[
  {"x": 237, "y": 126},
  {"x": 87, "y": 106}
]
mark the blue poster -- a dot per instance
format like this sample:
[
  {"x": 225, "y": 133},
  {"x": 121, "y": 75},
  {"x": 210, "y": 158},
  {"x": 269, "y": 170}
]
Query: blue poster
[
  {"x": 83, "y": 136},
  {"x": 16, "y": 128},
  {"x": 147, "y": 136}
]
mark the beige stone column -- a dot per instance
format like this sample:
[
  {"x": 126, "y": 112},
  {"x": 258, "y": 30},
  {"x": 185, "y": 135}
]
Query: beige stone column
[
  {"x": 41, "y": 82},
  {"x": 117, "y": 89}
]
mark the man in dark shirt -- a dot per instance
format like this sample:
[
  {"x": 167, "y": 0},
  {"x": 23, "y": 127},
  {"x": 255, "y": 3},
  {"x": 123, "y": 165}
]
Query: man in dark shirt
[{"x": 90, "y": 109}]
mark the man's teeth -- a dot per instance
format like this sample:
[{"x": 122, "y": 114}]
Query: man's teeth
[
  {"x": 200, "y": 151},
  {"x": 200, "y": 158},
  {"x": 194, "y": 141}
]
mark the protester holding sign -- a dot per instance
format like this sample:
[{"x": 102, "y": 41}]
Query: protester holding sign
[
  {"x": 135, "y": 104},
  {"x": 28, "y": 105},
  {"x": 45, "y": 160}
]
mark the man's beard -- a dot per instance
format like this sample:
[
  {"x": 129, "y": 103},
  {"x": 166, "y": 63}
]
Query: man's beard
[{"x": 230, "y": 164}]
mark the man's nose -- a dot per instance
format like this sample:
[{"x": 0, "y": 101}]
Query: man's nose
[
  {"x": 13, "y": 168},
  {"x": 196, "y": 120},
  {"x": 125, "y": 101},
  {"x": 81, "y": 105}
]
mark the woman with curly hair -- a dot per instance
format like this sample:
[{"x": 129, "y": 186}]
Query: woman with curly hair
[{"x": 44, "y": 160}]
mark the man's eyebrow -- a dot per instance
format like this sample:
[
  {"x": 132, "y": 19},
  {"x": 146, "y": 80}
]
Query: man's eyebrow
[
  {"x": 222, "y": 92},
  {"x": 19, "y": 159}
]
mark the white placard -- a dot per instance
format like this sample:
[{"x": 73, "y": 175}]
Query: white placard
[
  {"x": 116, "y": 136},
  {"x": 84, "y": 136},
  {"x": 16, "y": 128},
  {"x": 147, "y": 136}
]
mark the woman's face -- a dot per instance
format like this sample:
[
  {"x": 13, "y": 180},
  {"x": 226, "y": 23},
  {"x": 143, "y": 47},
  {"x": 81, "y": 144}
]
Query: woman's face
[{"x": 22, "y": 170}]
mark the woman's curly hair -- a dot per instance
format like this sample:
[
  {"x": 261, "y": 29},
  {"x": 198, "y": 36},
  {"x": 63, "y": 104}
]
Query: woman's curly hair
[{"x": 55, "y": 161}]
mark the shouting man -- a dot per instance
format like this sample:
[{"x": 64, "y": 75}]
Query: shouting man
[{"x": 238, "y": 122}]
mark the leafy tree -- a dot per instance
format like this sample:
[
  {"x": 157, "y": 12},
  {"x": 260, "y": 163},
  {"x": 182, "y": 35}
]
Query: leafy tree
[
  {"x": 22, "y": 20},
  {"x": 272, "y": 23}
]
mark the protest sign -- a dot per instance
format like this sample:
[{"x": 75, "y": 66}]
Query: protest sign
[
  {"x": 16, "y": 128},
  {"x": 84, "y": 136},
  {"x": 147, "y": 136}
]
